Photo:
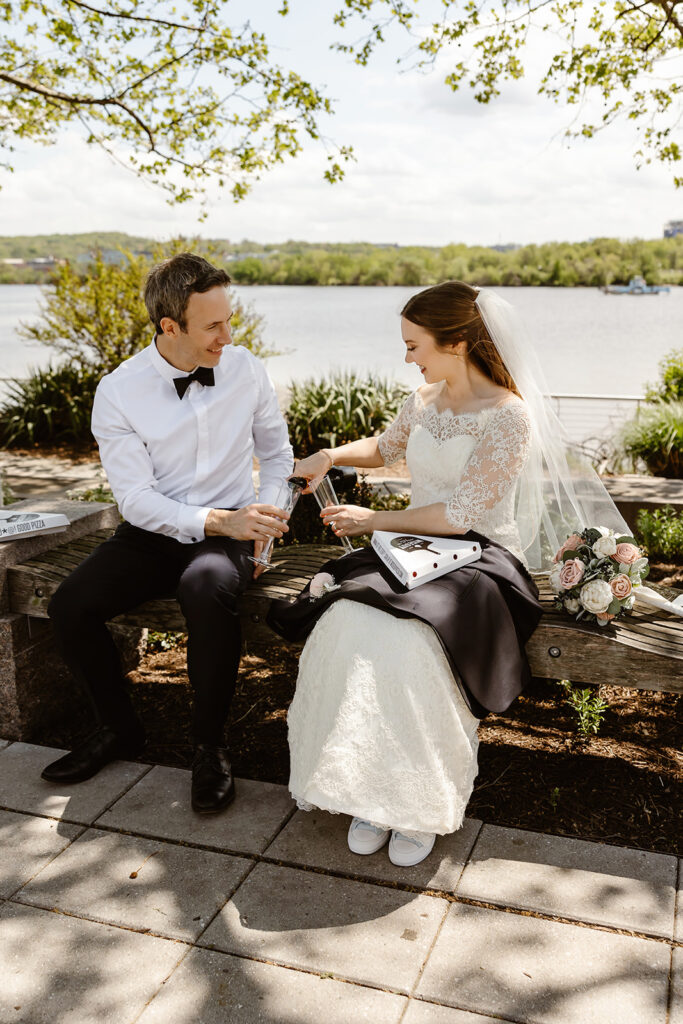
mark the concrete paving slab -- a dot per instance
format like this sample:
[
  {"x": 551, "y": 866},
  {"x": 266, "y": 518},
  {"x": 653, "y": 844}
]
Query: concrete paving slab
[
  {"x": 139, "y": 883},
  {"x": 571, "y": 878},
  {"x": 159, "y": 806},
  {"x": 22, "y": 789},
  {"x": 318, "y": 839},
  {"x": 429, "y": 1013},
  {"x": 365, "y": 933},
  {"x": 4, "y": 743},
  {"x": 678, "y": 926},
  {"x": 676, "y": 1010},
  {"x": 27, "y": 844},
  {"x": 57, "y": 968},
  {"x": 213, "y": 988},
  {"x": 543, "y": 972}
]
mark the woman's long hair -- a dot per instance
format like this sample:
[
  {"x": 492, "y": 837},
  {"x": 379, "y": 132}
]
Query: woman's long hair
[{"x": 449, "y": 313}]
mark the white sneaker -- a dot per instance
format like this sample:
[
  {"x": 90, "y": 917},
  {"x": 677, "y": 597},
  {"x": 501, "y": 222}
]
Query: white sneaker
[
  {"x": 409, "y": 848},
  {"x": 366, "y": 838}
]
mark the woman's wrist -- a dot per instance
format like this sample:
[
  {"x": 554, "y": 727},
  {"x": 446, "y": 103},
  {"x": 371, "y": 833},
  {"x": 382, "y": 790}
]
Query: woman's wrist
[{"x": 329, "y": 455}]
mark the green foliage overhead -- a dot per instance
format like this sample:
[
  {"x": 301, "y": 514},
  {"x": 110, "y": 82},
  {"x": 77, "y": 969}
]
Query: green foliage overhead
[
  {"x": 184, "y": 98},
  {"x": 342, "y": 407},
  {"x": 625, "y": 54},
  {"x": 176, "y": 93}
]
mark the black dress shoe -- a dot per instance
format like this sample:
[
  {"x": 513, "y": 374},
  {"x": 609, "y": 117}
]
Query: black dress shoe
[
  {"x": 213, "y": 787},
  {"x": 101, "y": 747}
]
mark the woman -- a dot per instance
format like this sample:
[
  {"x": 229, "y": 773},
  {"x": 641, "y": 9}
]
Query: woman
[{"x": 382, "y": 726}]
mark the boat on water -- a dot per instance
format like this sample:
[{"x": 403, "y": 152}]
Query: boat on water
[{"x": 636, "y": 286}]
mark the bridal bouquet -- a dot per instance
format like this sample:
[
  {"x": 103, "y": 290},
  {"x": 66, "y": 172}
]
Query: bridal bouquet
[{"x": 595, "y": 574}]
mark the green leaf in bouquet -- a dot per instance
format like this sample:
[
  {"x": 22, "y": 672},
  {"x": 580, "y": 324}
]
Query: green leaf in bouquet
[
  {"x": 615, "y": 606},
  {"x": 592, "y": 535},
  {"x": 569, "y": 554},
  {"x": 627, "y": 540},
  {"x": 644, "y": 573},
  {"x": 625, "y": 568},
  {"x": 639, "y": 564}
]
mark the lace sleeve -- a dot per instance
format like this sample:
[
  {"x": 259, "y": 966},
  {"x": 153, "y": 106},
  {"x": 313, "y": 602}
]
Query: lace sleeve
[
  {"x": 392, "y": 443},
  {"x": 493, "y": 467}
]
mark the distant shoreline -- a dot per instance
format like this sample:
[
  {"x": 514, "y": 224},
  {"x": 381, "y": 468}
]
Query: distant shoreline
[{"x": 593, "y": 264}]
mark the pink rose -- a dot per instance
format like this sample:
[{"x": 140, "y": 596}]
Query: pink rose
[
  {"x": 621, "y": 585},
  {"x": 604, "y": 616},
  {"x": 626, "y": 553},
  {"x": 571, "y": 573},
  {"x": 321, "y": 582},
  {"x": 571, "y": 544}
]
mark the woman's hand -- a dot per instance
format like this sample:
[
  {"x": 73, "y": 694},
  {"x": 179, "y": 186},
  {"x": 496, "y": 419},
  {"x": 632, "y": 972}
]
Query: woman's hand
[
  {"x": 313, "y": 469},
  {"x": 349, "y": 520}
]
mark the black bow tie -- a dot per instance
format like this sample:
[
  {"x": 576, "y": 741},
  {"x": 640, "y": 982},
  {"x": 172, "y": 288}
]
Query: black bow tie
[{"x": 203, "y": 375}]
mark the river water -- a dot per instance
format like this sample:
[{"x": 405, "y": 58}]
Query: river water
[{"x": 589, "y": 343}]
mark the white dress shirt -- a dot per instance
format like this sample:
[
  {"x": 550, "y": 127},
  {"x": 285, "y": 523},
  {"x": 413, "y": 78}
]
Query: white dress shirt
[{"x": 170, "y": 461}]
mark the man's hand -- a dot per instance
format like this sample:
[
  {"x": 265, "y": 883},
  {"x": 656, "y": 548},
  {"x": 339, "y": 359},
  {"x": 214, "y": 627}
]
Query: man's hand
[
  {"x": 349, "y": 520},
  {"x": 253, "y": 522},
  {"x": 259, "y": 545}
]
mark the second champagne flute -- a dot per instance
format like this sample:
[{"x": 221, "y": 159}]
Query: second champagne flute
[{"x": 325, "y": 495}]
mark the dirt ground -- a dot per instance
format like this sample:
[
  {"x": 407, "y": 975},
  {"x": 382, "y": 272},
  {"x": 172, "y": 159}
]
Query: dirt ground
[{"x": 622, "y": 786}]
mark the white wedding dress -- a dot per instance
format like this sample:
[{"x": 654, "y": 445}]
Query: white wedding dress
[{"x": 378, "y": 727}]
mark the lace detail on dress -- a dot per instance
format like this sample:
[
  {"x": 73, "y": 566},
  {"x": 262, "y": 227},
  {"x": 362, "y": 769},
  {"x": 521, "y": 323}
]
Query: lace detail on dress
[
  {"x": 493, "y": 467},
  {"x": 392, "y": 443}
]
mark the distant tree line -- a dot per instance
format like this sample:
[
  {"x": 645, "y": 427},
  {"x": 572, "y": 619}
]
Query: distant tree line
[{"x": 598, "y": 262}]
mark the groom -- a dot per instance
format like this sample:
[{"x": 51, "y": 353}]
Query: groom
[{"x": 177, "y": 427}]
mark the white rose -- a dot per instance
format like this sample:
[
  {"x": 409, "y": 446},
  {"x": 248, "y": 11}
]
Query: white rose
[
  {"x": 573, "y": 605},
  {"x": 605, "y": 546},
  {"x": 554, "y": 578},
  {"x": 596, "y": 596}
]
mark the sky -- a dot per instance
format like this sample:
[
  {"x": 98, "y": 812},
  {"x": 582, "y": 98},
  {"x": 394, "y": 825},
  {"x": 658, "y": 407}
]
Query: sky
[{"x": 432, "y": 167}]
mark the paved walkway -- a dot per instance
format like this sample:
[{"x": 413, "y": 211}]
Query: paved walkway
[{"x": 119, "y": 905}]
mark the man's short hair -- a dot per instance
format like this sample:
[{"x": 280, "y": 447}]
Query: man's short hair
[{"x": 170, "y": 284}]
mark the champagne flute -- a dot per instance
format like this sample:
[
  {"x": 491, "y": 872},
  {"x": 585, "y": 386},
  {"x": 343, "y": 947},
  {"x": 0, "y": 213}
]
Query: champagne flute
[
  {"x": 287, "y": 497},
  {"x": 325, "y": 495}
]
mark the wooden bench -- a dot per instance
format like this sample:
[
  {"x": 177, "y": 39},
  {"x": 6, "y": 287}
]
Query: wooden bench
[{"x": 643, "y": 651}]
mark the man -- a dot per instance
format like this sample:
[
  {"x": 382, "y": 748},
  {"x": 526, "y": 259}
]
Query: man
[{"x": 177, "y": 426}]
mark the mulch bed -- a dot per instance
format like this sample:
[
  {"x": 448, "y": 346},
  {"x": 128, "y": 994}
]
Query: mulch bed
[{"x": 536, "y": 772}]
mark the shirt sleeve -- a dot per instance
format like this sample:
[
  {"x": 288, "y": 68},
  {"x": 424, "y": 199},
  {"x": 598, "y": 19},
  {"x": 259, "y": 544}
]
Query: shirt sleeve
[
  {"x": 493, "y": 468},
  {"x": 271, "y": 440},
  {"x": 392, "y": 443},
  {"x": 131, "y": 477}
]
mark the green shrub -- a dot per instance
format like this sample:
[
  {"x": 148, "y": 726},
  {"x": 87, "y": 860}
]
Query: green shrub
[
  {"x": 656, "y": 437},
  {"x": 661, "y": 532},
  {"x": 589, "y": 707},
  {"x": 340, "y": 408},
  {"x": 53, "y": 406},
  {"x": 670, "y": 387}
]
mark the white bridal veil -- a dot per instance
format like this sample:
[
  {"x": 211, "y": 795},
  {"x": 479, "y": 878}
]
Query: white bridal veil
[{"x": 559, "y": 492}]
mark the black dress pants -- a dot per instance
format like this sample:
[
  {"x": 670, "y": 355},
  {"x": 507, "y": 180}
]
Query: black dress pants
[{"x": 135, "y": 566}]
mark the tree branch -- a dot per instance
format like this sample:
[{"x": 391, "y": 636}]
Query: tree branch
[
  {"x": 138, "y": 17},
  {"x": 54, "y": 95}
]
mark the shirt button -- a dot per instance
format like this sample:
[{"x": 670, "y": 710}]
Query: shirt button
[{"x": 194, "y": 539}]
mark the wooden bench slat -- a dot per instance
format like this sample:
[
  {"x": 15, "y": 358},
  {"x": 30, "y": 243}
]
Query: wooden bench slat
[{"x": 643, "y": 651}]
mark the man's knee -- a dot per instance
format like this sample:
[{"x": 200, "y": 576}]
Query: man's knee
[{"x": 206, "y": 589}]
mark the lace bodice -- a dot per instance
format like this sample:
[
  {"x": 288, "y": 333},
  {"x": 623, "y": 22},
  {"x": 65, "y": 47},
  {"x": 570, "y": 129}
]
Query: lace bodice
[{"x": 469, "y": 461}]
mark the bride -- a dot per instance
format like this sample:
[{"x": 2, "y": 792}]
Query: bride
[{"x": 382, "y": 726}]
